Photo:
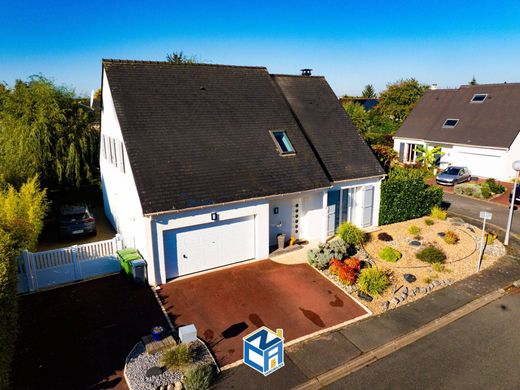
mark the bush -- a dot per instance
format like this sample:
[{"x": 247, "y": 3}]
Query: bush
[
  {"x": 351, "y": 234},
  {"x": 431, "y": 254},
  {"x": 451, "y": 237},
  {"x": 482, "y": 191},
  {"x": 324, "y": 253},
  {"x": 354, "y": 263},
  {"x": 346, "y": 271},
  {"x": 390, "y": 254},
  {"x": 439, "y": 267},
  {"x": 405, "y": 195},
  {"x": 485, "y": 191},
  {"x": 414, "y": 230},
  {"x": 429, "y": 222},
  {"x": 438, "y": 213},
  {"x": 495, "y": 187},
  {"x": 490, "y": 238},
  {"x": 347, "y": 276},
  {"x": 178, "y": 357},
  {"x": 198, "y": 378},
  {"x": 373, "y": 281},
  {"x": 385, "y": 237}
]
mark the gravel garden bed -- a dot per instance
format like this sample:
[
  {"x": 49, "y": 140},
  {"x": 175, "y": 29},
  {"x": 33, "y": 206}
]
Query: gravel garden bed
[{"x": 139, "y": 362}]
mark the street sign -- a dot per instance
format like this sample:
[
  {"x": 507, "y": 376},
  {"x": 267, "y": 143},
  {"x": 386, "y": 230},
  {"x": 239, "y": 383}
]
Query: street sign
[{"x": 486, "y": 215}]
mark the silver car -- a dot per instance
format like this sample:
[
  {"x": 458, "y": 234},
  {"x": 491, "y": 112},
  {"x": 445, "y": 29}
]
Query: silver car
[{"x": 453, "y": 175}]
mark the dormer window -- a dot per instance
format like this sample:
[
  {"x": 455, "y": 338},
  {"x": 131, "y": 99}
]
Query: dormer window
[
  {"x": 283, "y": 143},
  {"x": 479, "y": 98},
  {"x": 450, "y": 123}
]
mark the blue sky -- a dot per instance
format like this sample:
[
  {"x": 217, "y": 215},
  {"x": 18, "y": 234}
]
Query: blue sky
[{"x": 350, "y": 43}]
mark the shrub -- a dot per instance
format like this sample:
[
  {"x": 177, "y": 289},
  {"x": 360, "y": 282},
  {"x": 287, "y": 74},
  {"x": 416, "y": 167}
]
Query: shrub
[
  {"x": 198, "y": 377},
  {"x": 451, "y": 237},
  {"x": 438, "y": 213},
  {"x": 495, "y": 187},
  {"x": 385, "y": 237},
  {"x": 351, "y": 234},
  {"x": 485, "y": 191},
  {"x": 439, "y": 267},
  {"x": 389, "y": 254},
  {"x": 373, "y": 281},
  {"x": 347, "y": 275},
  {"x": 178, "y": 357},
  {"x": 405, "y": 195},
  {"x": 474, "y": 190},
  {"x": 346, "y": 271},
  {"x": 429, "y": 222},
  {"x": 324, "y": 253},
  {"x": 334, "y": 266},
  {"x": 414, "y": 230},
  {"x": 431, "y": 254},
  {"x": 354, "y": 263},
  {"x": 490, "y": 238}
]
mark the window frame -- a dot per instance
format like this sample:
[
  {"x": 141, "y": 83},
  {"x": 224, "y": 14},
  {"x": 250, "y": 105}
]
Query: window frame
[
  {"x": 279, "y": 147},
  {"x": 479, "y": 101},
  {"x": 445, "y": 126}
]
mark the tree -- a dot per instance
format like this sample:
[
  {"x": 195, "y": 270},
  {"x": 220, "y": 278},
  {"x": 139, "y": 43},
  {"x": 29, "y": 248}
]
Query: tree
[
  {"x": 426, "y": 155},
  {"x": 369, "y": 92},
  {"x": 358, "y": 115},
  {"x": 398, "y": 100},
  {"x": 178, "y": 57},
  {"x": 46, "y": 132},
  {"x": 473, "y": 81}
]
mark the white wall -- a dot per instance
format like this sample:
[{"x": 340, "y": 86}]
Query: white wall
[{"x": 121, "y": 201}]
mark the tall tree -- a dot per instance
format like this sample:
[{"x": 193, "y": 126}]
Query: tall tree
[
  {"x": 46, "y": 132},
  {"x": 358, "y": 115},
  {"x": 369, "y": 92},
  {"x": 473, "y": 81},
  {"x": 399, "y": 98},
  {"x": 178, "y": 57}
]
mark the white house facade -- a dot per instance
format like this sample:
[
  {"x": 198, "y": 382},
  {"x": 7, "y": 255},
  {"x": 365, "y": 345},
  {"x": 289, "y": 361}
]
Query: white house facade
[
  {"x": 197, "y": 236},
  {"x": 481, "y": 134}
]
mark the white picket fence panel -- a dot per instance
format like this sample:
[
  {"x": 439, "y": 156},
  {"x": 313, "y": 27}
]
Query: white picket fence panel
[{"x": 59, "y": 266}]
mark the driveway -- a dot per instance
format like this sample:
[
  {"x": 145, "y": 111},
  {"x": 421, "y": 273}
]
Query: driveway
[
  {"x": 78, "y": 337},
  {"x": 228, "y": 304}
]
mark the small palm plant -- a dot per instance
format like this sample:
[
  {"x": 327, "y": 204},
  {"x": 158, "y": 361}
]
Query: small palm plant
[{"x": 427, "y": 156}]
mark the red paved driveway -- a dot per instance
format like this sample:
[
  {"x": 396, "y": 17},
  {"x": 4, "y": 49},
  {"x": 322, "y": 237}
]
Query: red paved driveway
[{"x": 226, "y": 305}]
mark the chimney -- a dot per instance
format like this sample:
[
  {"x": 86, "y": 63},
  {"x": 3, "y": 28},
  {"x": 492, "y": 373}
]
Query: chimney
[
  {"x": 433, "y": 86},
  {"x": 306, "y": 72},
  {"x": 92, "y": 93}
]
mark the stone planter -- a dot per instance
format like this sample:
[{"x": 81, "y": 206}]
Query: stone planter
[{"x": 281, "y": 240}]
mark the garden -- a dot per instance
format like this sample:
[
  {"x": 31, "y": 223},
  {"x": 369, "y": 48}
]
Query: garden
[{"x": 485, "y": 190}]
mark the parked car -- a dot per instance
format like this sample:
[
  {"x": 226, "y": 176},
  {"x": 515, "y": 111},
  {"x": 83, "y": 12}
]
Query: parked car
[
  {"x": 453, "y": 175},
  {"x": 517, "y": 195},
  {"x": 76, "y": 220}
]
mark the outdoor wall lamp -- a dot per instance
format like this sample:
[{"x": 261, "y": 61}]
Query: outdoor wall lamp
[
  {"x": 275, "y": 210},
  {"x": 214, "y": 216}
]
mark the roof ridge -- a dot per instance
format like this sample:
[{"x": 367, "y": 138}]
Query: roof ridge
[
  {"x": 148, "y": 62},
  {"x": 296, "y": 75}
]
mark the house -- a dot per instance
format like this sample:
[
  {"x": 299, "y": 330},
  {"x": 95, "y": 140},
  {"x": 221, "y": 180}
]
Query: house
[
  {"x": 476, "y": 126},
  {"x": 203, "y": 166}
]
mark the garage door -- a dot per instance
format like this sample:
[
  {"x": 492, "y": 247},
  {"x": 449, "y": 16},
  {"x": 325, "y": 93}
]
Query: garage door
[
  {"x": 202, "y": 247},
  {"x": 479, "y": 164}
]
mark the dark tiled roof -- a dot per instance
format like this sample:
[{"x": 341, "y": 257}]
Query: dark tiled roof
[
  {"x": 493, "y": 123},
  {"x": 336, "y": 140},
  {"x": 198, "y": 135}
]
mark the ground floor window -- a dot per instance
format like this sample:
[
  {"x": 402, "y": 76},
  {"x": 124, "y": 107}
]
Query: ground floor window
[{"x": 353, "y": 204}]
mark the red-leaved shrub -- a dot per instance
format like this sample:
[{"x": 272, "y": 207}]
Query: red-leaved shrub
[{"x": 346, "y": 271}]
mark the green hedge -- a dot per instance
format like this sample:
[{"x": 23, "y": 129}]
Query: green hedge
[{"x": 405, "y": 195}]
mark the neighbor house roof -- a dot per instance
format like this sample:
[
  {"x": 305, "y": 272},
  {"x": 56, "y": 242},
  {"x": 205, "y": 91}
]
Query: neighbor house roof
[
  {"x": 199, "y": 134},
  {"x": 495, "y": 122}
]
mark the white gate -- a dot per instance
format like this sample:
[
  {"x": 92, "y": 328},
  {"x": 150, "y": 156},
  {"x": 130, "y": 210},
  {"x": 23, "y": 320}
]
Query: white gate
[{"x": 59, "y": 266}]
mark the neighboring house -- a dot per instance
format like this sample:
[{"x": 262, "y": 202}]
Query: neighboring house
[
  {"x": 367, "y": 103},
  {"x": 204, "y": 165},
  {"x": 476, "y": 126}
]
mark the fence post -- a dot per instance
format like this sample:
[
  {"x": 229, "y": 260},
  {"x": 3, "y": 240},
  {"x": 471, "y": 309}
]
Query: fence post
[
  {"x": 118, "y": 242},
  {"x": 29, "y": 270},
  {"x": 75, "y": 262}
]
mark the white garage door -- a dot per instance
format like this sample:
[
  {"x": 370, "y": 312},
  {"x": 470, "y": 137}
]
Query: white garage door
[
  {"x": 202, "y": 247},
  {"x": 479, "y": 164}
]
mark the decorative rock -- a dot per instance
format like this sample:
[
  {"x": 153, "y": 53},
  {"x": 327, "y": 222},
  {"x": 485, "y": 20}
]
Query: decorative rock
[
  {"x": 403, "y": 296},
  {"x": 412, "y": 292},
  {"x": 516, "y": 283},
  {"x": 409, "y": 278},
  {"x": 416, "y": 290},
  {"x": 364, "y": 296},
  {"x": 395, "y": 301},
  {"x": 436, "y": 283},
  {"x": 415, "y": 243},
  {"x": 154, "y": 371},
  {"x": 178, "y": 385},
  {"x": 456, "y": 221},
  {"x": 405, "y": 290},
  {"x": 385, "y": 305},
  {"x": 441, "y": 234},
  {"x": 470, "y": 229}
]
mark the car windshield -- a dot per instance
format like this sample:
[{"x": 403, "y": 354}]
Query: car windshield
[{"x": 452, "y": 171}]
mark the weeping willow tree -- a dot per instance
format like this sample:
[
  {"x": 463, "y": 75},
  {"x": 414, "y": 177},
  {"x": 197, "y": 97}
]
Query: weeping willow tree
[{"x": 46, "y": 132}]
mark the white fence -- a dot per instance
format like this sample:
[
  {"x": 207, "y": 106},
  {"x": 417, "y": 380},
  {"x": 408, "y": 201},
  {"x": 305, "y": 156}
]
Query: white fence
[{"x": 59, "y": 266}]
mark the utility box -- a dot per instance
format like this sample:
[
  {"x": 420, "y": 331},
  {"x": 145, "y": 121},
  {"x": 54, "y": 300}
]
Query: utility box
[
  {"x": 139, "y": 270},
  {"x": 188, "y": 333}
]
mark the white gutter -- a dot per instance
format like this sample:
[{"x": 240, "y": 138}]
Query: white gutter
[{"x": 451, "y": 143}]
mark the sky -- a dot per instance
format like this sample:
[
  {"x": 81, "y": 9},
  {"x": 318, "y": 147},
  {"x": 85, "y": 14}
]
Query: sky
[{"x": 351, "y": 43}]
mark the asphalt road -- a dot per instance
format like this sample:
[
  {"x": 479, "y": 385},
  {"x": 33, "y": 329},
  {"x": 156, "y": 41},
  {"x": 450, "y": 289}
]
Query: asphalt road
[
  {"x": 472, "y": 208},
  {"x": 479, "y": 351}
]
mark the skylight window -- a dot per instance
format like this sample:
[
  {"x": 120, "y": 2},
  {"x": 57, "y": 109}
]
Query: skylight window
[
  {"x": 450, "y": 123},
  {"x": 282, "y": 142},
  {"x": 479, "y": 98}
]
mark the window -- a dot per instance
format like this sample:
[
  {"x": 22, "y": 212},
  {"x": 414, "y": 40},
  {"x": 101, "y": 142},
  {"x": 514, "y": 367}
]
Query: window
[
  {"x": 283, "y": 143},
  {"x": 450, "y": 123},
  {"x": 479, "y": 98},
  {"x": 113, "y": 150}
]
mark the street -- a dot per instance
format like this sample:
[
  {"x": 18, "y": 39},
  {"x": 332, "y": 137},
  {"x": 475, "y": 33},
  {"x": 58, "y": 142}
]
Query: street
[
  {"x": 479, "y": 351},
  {"x": 472, "y": 208}
]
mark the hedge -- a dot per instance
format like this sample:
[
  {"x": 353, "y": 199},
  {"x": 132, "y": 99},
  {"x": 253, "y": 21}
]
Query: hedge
[{"x": 405, "y": 195}]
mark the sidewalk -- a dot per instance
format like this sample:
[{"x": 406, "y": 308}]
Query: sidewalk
[{"x": 314, "y": 357}]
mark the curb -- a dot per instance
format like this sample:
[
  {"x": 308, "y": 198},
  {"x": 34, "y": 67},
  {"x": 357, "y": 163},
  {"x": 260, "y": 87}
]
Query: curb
[{"x": 378, "y": 353}]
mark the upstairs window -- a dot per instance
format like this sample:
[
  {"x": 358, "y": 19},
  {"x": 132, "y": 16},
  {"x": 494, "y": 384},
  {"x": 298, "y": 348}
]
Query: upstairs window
[
  {"x": 282, "y": 142},
  {"x": 450, "y": 123},
  {"x": 479, "y": 98}
]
